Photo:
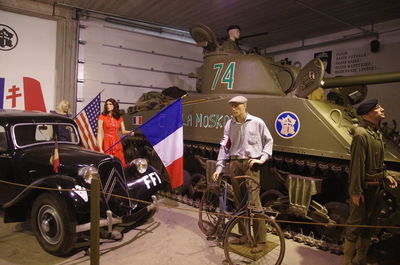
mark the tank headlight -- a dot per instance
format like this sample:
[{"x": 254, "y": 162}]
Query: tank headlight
[
  {"x": 141, "y": 164},
  {"x": 88, "y": 173}
]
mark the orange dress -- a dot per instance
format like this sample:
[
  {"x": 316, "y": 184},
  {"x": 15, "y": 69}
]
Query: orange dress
[{"x": 110, "y": 128}]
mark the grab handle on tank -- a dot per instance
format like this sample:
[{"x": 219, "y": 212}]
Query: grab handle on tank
[{"x": 339, "y": 123}]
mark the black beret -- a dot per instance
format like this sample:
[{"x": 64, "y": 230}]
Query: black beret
[
  {"x": 367, "y": 106},
  {"x": 232, "y": 27}
]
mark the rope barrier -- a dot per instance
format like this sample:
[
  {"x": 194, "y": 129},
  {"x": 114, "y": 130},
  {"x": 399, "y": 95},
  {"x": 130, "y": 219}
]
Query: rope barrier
[
  {"x": 196, "y": 211},
  {"x": 60, "y": 189}
]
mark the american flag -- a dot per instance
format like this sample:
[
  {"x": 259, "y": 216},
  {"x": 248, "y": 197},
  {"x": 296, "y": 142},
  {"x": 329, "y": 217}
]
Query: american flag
[{"x": 87, "y": 123}]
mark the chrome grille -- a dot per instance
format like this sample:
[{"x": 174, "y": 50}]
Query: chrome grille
[{"x": 113, "y": 181}]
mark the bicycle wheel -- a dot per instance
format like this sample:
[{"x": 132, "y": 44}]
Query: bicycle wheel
[
  {"x": 272, "y": 251},
  {"x": 209, "y": 210}
]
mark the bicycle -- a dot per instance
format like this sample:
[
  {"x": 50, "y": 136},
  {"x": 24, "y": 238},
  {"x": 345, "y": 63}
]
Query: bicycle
[{"x": 216, "y": 222}]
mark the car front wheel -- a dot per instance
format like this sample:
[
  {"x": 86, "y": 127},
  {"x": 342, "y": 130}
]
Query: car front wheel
[{"x": 53, "y": 223}]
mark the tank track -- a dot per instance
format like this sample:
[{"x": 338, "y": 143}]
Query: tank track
[
  {"x": 331, "y": 171},
  {"x": 310, "y": 240}
]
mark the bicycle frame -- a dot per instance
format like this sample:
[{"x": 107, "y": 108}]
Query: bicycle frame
[{"x": 258, "y": 247}]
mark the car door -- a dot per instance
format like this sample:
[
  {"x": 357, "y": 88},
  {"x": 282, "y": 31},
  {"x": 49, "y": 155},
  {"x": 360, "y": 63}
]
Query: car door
[{"x": 7, "y": 190}]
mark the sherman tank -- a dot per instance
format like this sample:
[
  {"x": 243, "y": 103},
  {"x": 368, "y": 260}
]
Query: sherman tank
[{"x": 307, "y": 176}]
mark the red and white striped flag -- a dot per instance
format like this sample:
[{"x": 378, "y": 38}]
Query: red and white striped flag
[{"x": 87, "y": 123}]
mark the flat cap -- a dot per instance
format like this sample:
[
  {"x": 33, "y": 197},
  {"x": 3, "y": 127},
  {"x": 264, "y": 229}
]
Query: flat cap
[
  {"x": 232, "y": 27},
  {"x": 367, "y": 106},
  {"x": 238, "y": 99}
]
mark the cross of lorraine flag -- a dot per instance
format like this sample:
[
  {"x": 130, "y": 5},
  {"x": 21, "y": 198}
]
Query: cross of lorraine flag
[{"x": 11, "y": 93}]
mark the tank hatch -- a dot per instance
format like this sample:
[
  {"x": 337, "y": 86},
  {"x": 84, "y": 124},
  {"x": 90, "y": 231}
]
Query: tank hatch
[
  {"x": 204, "y": 36},
  {"x": 309, "y": 78}
]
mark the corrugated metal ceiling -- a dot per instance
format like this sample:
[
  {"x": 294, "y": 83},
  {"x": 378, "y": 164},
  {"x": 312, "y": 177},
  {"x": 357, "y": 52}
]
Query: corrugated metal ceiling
[{"x": 284, "y": 20}]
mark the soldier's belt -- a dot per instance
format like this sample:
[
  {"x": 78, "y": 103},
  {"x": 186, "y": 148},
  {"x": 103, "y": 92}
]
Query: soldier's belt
[
  {"x": 374, "y": 177},
  {"x": 372, "y": 183},
  {"x": 242, "y": 158},
  {"x": 239, "y": 157}
]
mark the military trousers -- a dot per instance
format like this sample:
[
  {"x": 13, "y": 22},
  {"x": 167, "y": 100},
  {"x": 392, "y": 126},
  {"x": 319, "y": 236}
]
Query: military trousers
[
  {"x": 364, "y": 214},
  {"x": 240, "y": 167}
]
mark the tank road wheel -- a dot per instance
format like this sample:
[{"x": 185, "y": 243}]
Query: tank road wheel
[
  {"x": 338, "y": 212},
  {"x": 187, "y": 181},
  {"x": 209, "y": 217},
  {"x": 53, "y": 224},
  {"x": 275, "y": 199},
  {"x": 270, "y": 196},
  {"x": 272, "y": 252},
  {"x": 198, "y": 184}
]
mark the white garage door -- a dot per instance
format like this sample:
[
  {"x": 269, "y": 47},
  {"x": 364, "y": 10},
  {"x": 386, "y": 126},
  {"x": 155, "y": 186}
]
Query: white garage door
[{"x": 124, "y": 62}]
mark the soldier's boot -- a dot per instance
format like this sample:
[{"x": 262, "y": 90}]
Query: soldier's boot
[
  {"x": 349, "y": 250},
  {"x": 362, "y": 247}
]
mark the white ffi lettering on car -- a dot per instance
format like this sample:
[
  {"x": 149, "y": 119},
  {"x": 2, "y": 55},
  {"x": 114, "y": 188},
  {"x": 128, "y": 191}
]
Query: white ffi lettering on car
[
  {"x": 146, "y": 181},
  {"x": 81, "y": 191},
  {"x": 158, "y": 177},
  {"x": 153, "y": 179}
]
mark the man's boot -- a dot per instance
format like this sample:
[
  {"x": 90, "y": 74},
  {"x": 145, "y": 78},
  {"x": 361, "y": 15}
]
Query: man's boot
[
  {"x": 362, "y": 251},
  {"x": 349, "y": 250}
]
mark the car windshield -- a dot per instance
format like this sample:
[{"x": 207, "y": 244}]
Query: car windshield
[{"x": 30, "y": 134}]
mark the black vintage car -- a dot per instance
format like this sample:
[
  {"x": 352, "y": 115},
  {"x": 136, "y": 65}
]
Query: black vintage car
[{"x": 58, "y": 204}]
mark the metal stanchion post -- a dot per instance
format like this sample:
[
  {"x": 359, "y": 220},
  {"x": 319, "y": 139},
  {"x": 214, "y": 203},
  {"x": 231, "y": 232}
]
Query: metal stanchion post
[{"x": 94, "y": 221}]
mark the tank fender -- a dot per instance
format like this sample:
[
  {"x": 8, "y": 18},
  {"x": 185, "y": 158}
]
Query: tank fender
[{"x": 18, "y": 209}]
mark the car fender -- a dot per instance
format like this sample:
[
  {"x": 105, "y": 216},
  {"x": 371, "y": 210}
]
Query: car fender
[
  {"x": 143, "y": 186},
  {"x": 17, "y": 209}
]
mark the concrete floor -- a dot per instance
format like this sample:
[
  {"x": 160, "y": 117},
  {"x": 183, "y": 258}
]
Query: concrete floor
[{"x": 171, "y": 237}]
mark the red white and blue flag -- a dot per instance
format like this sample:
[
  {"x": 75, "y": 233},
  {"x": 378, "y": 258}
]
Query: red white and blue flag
[
  {"x": 137, "y": 120},
  {"x": 165, "y": 133},
  {"x": 86, "y": 120},
  {"x": 1, "y": 92},
  {"x": 55, "y": 159},
  {"x": 31, "y": 94}
]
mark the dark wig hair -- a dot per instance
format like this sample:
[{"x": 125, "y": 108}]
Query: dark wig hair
[{"x": 116, "y": 114}]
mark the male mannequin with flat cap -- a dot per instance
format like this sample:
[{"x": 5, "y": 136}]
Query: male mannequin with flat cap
[
  {"x": 367, "y": 170},
  {"x": 246, "y": 144}
]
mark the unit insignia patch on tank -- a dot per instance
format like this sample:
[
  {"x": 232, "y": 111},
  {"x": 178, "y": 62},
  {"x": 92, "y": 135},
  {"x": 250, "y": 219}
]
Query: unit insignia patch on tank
[{"x": 287, "y": 124}]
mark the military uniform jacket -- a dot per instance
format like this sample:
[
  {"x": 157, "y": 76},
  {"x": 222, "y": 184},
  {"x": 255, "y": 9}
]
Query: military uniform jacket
[
  {"x": 231, "y": 46},
  {"x": 367, "y": 156}
]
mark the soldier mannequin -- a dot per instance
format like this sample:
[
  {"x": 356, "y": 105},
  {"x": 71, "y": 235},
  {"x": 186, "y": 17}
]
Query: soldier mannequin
[
  {"x": 366, "y": 171},
  {"x": 247, "y": 143},
  {"x": 231, "y": 44}
]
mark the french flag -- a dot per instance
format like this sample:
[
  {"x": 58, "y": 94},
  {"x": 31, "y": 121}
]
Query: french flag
[
  {"x": 137, "y": 120},
  {"x": 165, "y": 133}
]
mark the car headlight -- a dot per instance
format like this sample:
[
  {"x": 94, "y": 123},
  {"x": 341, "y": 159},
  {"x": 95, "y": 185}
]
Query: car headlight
[
  {"x": 88, "y": 173},
  {"x": 140, "y": 163}
]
